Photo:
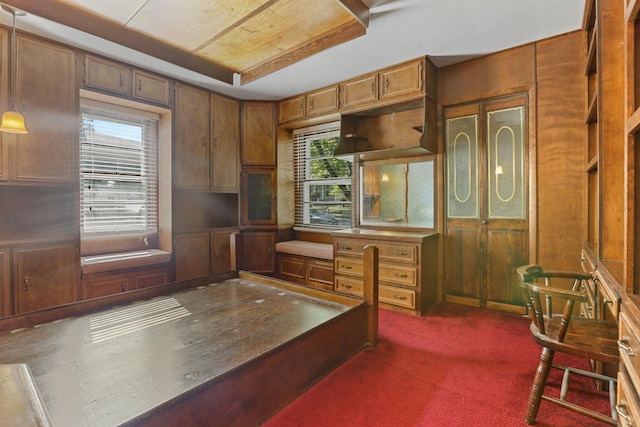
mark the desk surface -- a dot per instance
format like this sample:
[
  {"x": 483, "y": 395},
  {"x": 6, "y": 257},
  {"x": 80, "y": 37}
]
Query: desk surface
[{"x": 110, "y": 367}]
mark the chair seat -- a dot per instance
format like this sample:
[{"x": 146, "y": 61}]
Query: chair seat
[{"x": 593, "y": 339}]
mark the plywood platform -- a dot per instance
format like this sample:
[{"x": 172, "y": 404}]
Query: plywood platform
[{"x": 150, "y": 361}]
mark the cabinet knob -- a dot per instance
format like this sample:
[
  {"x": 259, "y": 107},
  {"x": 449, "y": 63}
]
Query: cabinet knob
[
  {"x": 624, "y": 345},
  {"x": 373, "y": 88},
  {"x": 346, "y": 267},
  {"x": 386, "y": 84},
  {"x": 26, "y": 283},
  {"x": 139, "y": 85}
]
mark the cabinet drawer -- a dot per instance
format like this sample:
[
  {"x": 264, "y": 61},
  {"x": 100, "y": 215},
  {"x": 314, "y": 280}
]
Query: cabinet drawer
[
  {"x": 629, "y": 343},
  {"x": 627, "y": 404},
  {"x": 349, "y": 247},
  {"x": 397, "y": 296},
  {"x": 401, "y": 275},
  {"x": 353, "y": 267},
  {"x": 349, "y": 285},
  {"x": 404, "y": 253},
  {"x": 321, "y": 272}
]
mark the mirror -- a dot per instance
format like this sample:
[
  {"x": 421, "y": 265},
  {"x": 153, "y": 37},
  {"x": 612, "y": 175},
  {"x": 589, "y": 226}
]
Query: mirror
[{"x": 398, "y": 193}]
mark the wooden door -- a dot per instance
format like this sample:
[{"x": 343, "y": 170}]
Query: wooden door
[
  {"x": 191, "y": 135},
  {"x": 45, "y": 276},
  {"x": 48, "y": 98},
  {"x": 258, "y": 133},
  {"x": 258, "y": 249},
  {"x": 225, "y": 140},
  {"x": 486, "y": 210},
  {"x": 192, "y": 254}
]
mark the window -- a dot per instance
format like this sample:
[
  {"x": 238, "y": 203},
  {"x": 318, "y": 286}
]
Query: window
[
  {"x": 323, "y": 182},
  {"x": 118, "y": 170}
]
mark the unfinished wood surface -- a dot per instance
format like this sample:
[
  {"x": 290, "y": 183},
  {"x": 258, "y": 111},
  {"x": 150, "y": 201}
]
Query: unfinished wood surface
[{"x": 130, "y": 363}]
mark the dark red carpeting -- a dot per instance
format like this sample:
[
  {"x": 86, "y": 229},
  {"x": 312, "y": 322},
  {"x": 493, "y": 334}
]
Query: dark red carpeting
[{"x": 457, "y": 366}]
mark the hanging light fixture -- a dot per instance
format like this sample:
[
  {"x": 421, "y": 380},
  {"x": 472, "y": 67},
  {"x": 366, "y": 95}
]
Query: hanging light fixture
[{"x": 12, "y": 120}]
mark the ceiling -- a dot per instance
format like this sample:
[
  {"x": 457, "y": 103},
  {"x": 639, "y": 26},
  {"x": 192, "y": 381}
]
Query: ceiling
[{"x": 272, "y": 49}]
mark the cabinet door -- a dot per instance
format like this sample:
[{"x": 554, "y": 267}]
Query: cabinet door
[
  {"x": 323, "y": 101},
  {"x": 45, "y": 277},
  {"x": 259, "y": 251},
  {"x": 150, "y": 87},
  {"x": 360, "y": 90},
  {"x": 108, "y": 285},
  {"x": 151, "y": 277},
  {"x": 192, "y": 256},
  {"x": 100, "y": 73},
  {"x": 5, "y": 285},
  {"x": 225, "y": 130},
  {"x": 258, "y": 133},
  {"x": 258, "y": 194},
  {"x": 220, "y": 252},
  {"x": 291, "y": 109},
  {"x": 191, "y": 134},
  {"x": 405, "y": 79},
  {"x": 47, "y": 96},
  {"x": 291, "y": 267},
  {"x": 320, "y": 274}
]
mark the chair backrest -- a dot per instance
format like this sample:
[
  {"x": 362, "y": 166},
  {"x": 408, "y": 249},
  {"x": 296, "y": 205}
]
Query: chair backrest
[{"x": 537, "y": 287}]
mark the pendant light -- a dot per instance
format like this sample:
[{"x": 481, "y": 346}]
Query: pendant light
[{"x": 12, "y": 120}]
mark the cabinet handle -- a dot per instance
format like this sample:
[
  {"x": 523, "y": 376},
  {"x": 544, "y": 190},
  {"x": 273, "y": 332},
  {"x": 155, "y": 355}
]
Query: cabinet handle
[
  {"x": 122, "y": 287},
  {"x": 607, "y": 301},
  {"x": 373, "y": 88},
  {"x": 217, "y": 254},
  {"x": 403, "y": 275},
  {"x": 310, "y": 271},
  {"x": 622, "y": 411},
  {"x": 269, "y": 252},
  {"x": 347, "y": 248},
  {"x": 301, "y": 106},
  {"x": 400, "y": 253},
  {"x": 203, "y": 257},
  {"x": 386, "y": 84},
  {"x": 202, "y": 140},
  {"x": 300, "y": 270},
  {"x": 311, "y": 104},
  {"x": 624, "y": 345},
  {"x": 139, "y": 85},
  {"x": 121, "y": 80},
  {"x": 400, "y": 297},
  {"x": 346, "y": 267},
  {"x": 347, "y": 286},
  {"x": 26, "y": 283}
]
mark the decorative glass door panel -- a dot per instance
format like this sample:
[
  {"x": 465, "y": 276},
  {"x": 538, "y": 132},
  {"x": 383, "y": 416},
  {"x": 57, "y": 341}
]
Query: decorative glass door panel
[{"x": 462, "y": 167}]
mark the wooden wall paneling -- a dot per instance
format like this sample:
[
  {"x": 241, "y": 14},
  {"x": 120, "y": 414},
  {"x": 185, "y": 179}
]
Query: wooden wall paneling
[
  {"x": 5, "y": 97},
  {"x": 560, "y": 195},
  {"x": 507, "y": 72},
  {"x": 5, "y": 283}
]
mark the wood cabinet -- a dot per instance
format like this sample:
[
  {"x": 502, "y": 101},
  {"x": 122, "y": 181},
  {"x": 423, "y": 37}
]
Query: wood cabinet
[
  {"x": 258, "y": 196},
  {"x": 45, "y": 276},
  {"x": 291, "y": 109},
  {"x": 221, "y": 251},
  {"x": 407, "y": 269},
  {"x": 192, "y": 255},
  {"x": 404, "y": 79},
  {"x": 323, "y": 101},
  {"x": 359, "y": 90},
  {"x": 258, "y": 146},
  {"x": 313, "y": 272},
  {"x": 225, "y": 143},
  {"x": 191, "y": 137},
  {"x": 48, "y": 98},
  {"x": 258, "y": 251},
  {"x": 5, "y": 283},
  {"x": 123, "y": 80},
  {"x": 113, "y": 282}
]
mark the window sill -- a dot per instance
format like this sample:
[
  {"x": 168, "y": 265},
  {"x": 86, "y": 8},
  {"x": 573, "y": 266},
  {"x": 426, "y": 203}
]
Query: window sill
[{"x": 118, "y": 261}]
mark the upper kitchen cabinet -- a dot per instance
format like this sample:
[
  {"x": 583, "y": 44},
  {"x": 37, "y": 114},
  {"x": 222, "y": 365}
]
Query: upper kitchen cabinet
[
  {"x": 359, "y": 90},
  {"x": 320, "y": 102},
  {"x": 47, "y": 96},
  {"x": 120, "y": 79},
  {"x": 291, "y": 109},
  {"x": 191, "y": 137},
  {"x": 258, "y": 145},
  {"x": 225, "y": 139}
]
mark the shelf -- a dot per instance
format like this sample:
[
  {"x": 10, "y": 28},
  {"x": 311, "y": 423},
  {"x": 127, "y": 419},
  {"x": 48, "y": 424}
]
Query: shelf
[{"x": 592, "y": 111}]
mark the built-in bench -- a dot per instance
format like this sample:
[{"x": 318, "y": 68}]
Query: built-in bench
[
  {"x": 307, "y": 263},
  {"x": 107, "y": 274}
]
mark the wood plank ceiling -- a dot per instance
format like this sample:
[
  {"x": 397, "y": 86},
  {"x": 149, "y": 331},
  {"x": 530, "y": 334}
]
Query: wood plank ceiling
[{"x": 214, "y": 37}]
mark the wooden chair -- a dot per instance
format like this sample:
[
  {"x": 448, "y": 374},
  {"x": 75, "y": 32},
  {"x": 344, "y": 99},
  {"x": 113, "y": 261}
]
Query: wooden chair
[{"x": 567, "y": 332}]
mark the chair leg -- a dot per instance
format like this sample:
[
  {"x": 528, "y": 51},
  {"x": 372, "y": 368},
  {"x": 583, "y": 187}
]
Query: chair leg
[{"x": 539, "y": 382}]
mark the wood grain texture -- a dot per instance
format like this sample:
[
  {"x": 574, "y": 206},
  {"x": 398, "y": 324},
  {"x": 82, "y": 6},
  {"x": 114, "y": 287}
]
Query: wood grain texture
[
  {"x": 224, "y": 358},
  {"x": 560, "y": 151}
]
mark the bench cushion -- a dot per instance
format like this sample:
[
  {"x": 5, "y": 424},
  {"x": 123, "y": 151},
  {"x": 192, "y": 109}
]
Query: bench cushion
[
  {"x": 304, "y": 248},
  {"x": 118, "y": 261}
]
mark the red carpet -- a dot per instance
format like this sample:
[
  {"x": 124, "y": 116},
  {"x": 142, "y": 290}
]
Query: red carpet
[{"x": 457, "y": 366}]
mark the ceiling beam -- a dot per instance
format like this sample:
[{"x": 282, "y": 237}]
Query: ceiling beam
[
  {"x": 324, "y": 41},
  {"x": 358, "y": 9},
  {"x": 108, "y": 30}
]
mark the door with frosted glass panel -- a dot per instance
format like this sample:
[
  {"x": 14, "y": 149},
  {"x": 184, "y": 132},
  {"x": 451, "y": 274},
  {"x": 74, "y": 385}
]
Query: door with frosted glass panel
[{"x": 486, "y": 234}]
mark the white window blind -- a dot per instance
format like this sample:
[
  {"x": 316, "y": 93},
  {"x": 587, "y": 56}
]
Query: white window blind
[
  {"x": 323, "y": 182},
  {"x": 118, "y": 170}
]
